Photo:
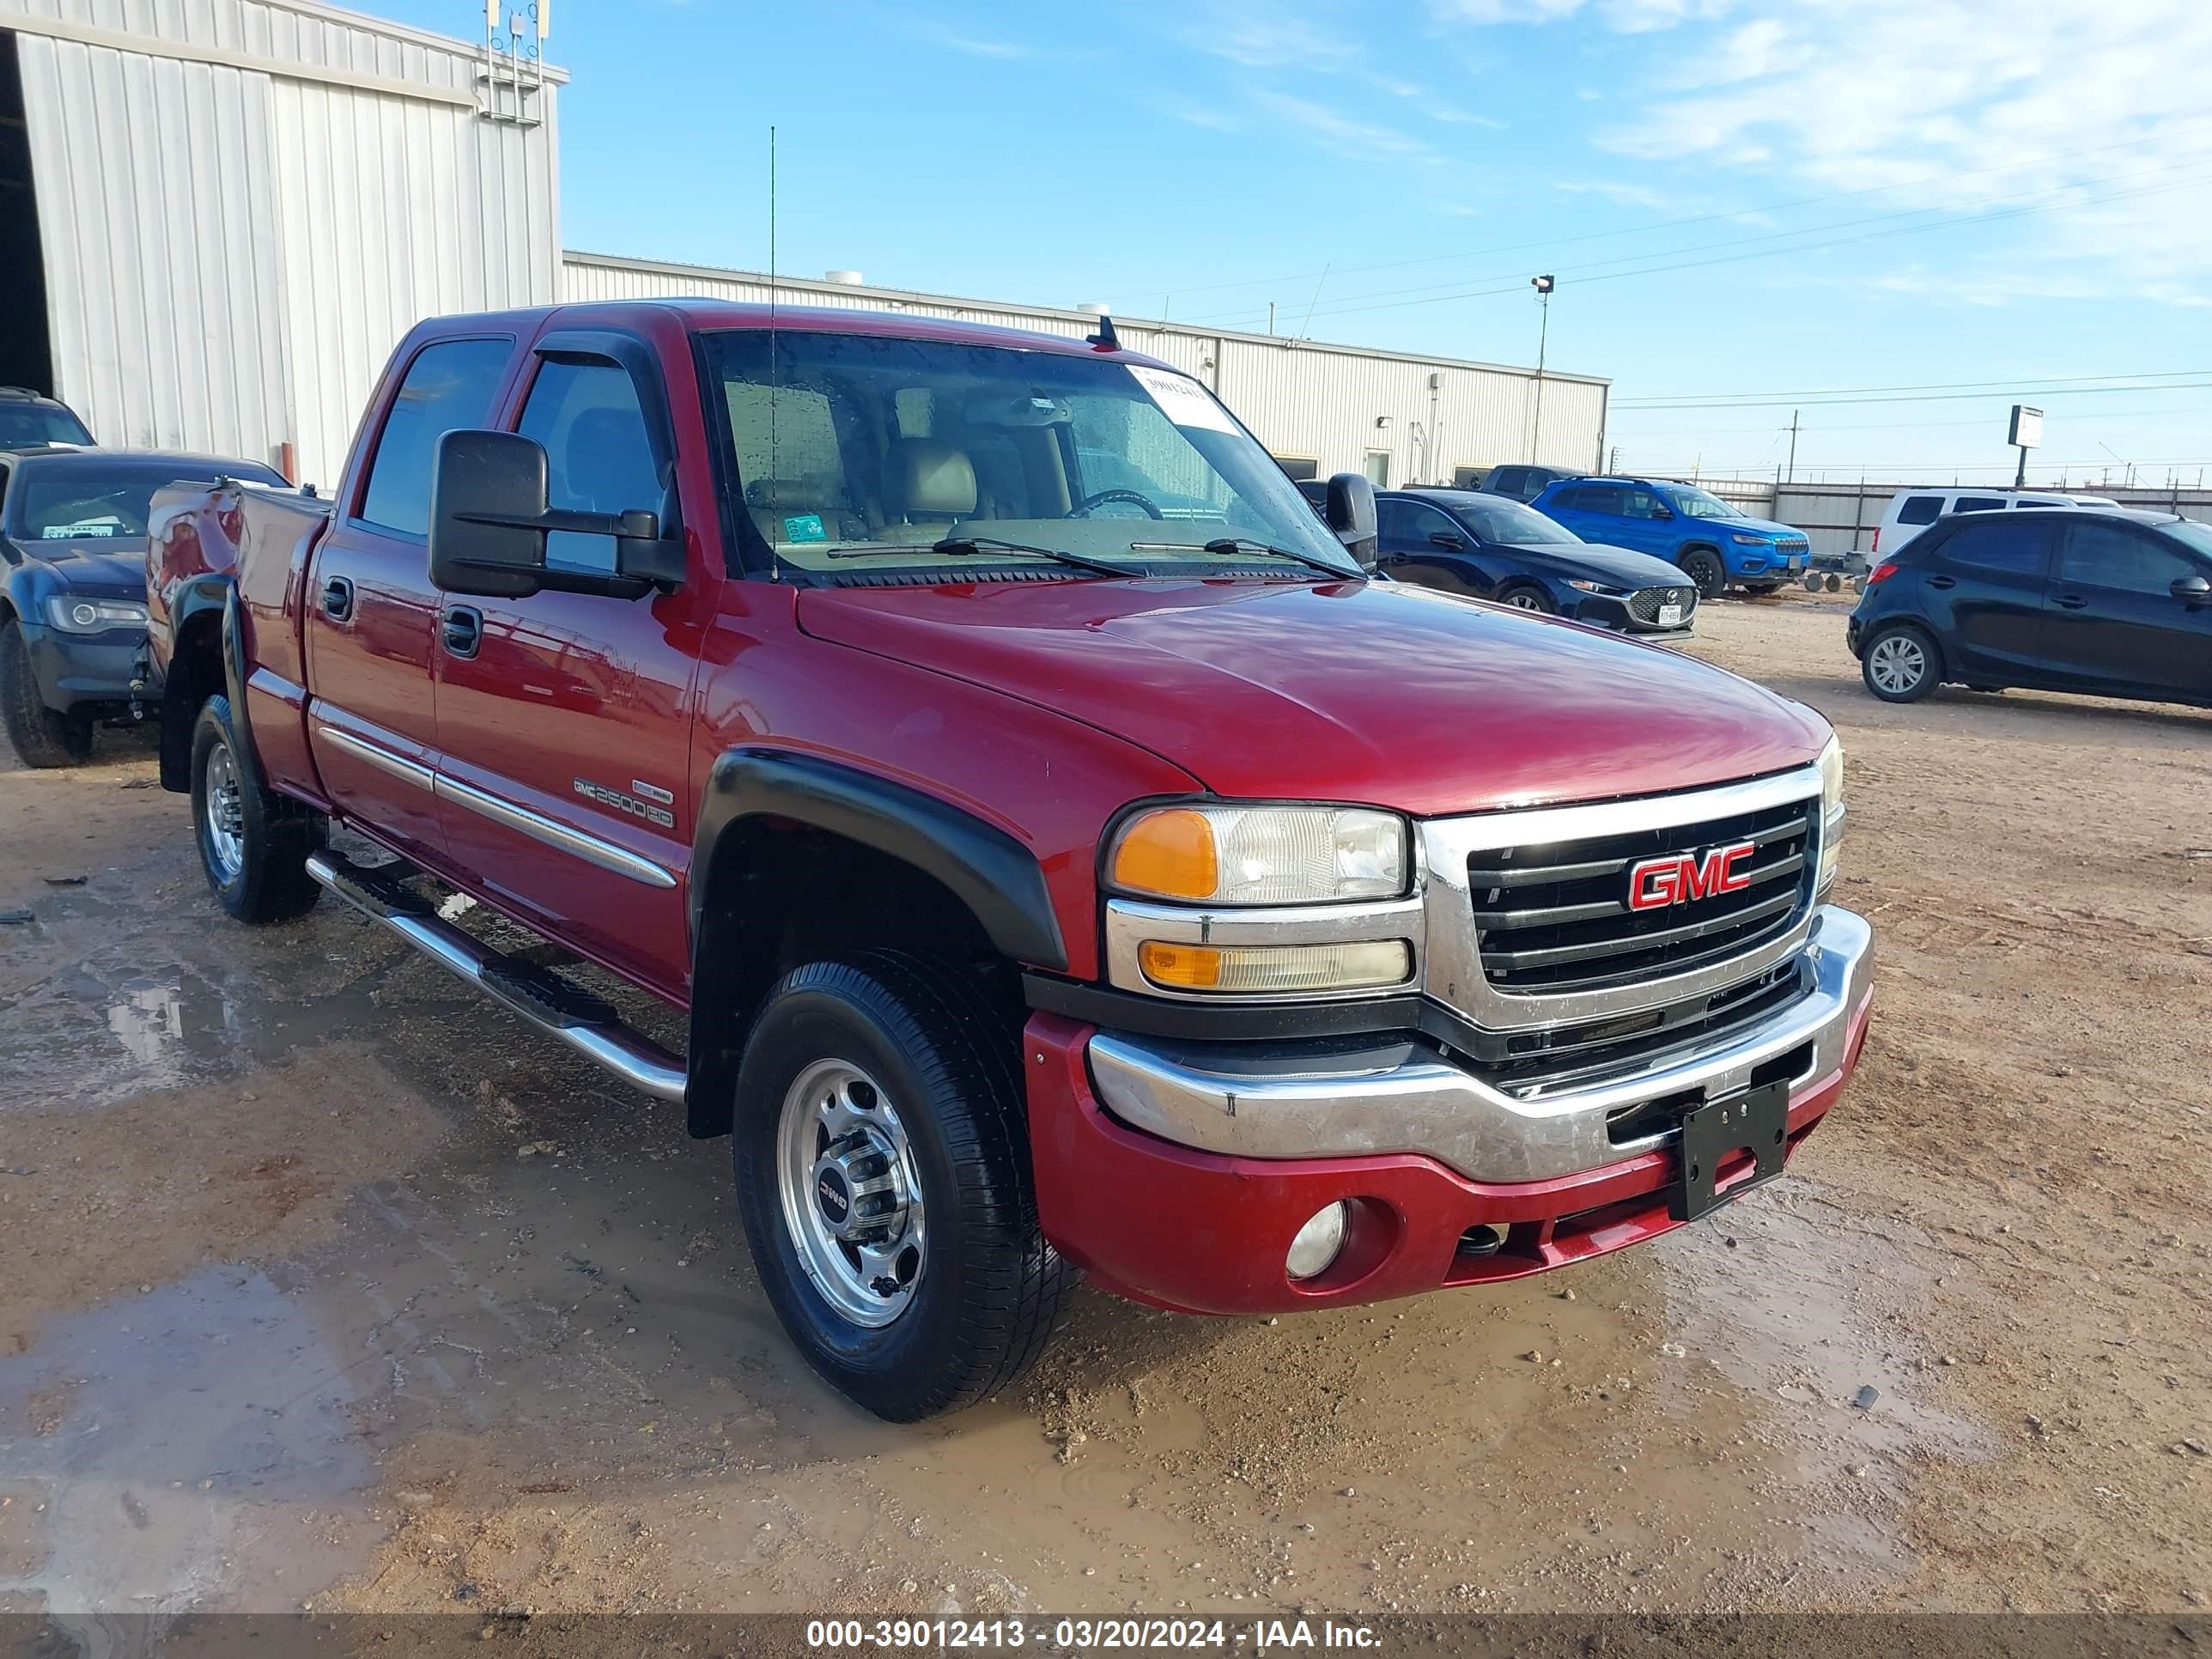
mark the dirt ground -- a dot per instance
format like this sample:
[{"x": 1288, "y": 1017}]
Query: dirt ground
[{"x": 323, "y": 1283}]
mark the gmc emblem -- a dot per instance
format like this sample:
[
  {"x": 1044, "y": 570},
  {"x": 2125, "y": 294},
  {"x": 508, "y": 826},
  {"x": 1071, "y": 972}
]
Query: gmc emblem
[{"x": 1678, "y": 877}]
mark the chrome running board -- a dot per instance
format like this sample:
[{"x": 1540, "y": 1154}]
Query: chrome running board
[{"x": 561, "y": 1009}]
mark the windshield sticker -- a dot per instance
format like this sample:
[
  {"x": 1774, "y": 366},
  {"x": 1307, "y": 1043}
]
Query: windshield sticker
[
  {"x": 90, "y": 529},
  {"x": 805, "y": 528},
  {"x": 1182, "y": 399}
]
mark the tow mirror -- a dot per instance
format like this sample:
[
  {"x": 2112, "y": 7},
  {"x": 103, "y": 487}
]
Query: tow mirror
[
  {"x": 1351, "y": 513},
  {"x": 2194, "y": 589},
  {"x": 489, "y": 521}
]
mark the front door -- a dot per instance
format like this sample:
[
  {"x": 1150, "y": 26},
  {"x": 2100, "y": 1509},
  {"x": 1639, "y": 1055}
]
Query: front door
[
  {"x": 565, "y": 718},
  {"x": 1410, "y": 552},
  {"x": 371, "y": 610},
  {"x": 1990, "y": 576},
  {"x": 2113, "y": 618}
]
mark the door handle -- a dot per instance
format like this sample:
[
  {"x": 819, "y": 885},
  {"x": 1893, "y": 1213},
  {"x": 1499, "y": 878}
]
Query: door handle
[
  {"x": 337, "y": 599},
  {"x": 2072, "y": 602},
  {"x": 464, "y": 630},
  {"x": 1943, "y": 581}
]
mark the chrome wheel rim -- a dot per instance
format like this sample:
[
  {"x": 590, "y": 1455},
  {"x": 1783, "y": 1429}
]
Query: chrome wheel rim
[
  {"x": 225, "y": 826},
  {"x": 851, "y": 1194},
  {"x": 1898, "y": 663},
  {"x": 1524, "y": 601}
]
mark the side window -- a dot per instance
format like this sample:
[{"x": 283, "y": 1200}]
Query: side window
[
  {"x": 1921, "y": 509},
  {"x": 2017, "y": 547},
  {"x": 2114, "y": 556},
  {"x": 1422, "y": 522},
  {"x": 1390, "y": 521},
  {"x": 1508, "y": 480},
  {"x": 449, "y": 385},
  {"x": 1980, "y": 504},
  {"x": 1642, "y": 504},
  {"x": 598, "y": 457},
  {"x": 1602, "y": 498}
]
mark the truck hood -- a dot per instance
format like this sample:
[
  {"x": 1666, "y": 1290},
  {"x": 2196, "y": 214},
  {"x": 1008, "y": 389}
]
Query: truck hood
[{"x": 1370, "y": 692}]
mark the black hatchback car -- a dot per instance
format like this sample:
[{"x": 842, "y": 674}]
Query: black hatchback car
[
  {"x": 1489, "y": 548},
  {"x": 2108, "y": 602}
]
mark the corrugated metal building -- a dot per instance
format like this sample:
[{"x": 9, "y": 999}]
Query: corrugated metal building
[
  {"x": 217, "y": 218},
  {"x": 1321, "y": 409}
]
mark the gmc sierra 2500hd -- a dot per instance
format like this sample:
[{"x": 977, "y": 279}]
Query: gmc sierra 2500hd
[{"x": 1068, "y": 855}]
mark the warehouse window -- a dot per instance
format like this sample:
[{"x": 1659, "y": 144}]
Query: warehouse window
[
  {"x": 1298, "y": 468},
  {"x": 1378, "y": 468},
  {"x": 449, "y": 387}
]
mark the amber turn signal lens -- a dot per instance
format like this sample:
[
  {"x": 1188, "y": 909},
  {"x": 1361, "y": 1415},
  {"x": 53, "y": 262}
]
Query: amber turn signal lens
[
  {"x": 1169, "y": 852},
  {"x": 1184, "y": 967}
]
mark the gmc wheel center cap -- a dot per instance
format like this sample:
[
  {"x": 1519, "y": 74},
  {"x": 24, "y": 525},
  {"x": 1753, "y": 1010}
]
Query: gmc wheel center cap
[{"x": 834, "y": 1198}]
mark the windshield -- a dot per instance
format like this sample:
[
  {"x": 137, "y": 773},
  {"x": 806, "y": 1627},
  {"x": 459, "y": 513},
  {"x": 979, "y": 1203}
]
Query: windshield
[
  {"x": 1696, "y": 504},
  {"x": 106, "y": 501},
  {"x": 2193, "y": 534},
  {"x": 1496, "y": 520},
  {"x": 26, "y": 426},
  {"x": 858, "y": 454}
]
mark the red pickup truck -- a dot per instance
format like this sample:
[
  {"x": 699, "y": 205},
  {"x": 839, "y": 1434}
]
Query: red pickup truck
[{"x": 1069, "y": 855}]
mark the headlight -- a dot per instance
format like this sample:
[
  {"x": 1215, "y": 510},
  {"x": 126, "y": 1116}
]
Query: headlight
[
  {"x": 1832, "y": 811},
  {"x": 1261, "y": 854},
  {"x": 77, "y": 616},
  {"x": 1597, "y": 587}
]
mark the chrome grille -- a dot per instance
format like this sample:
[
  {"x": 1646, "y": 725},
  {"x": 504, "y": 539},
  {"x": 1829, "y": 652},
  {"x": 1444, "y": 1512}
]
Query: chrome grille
[
  {"x": 1644, "y": 604},
  {"x": 1555, "y": 917}
]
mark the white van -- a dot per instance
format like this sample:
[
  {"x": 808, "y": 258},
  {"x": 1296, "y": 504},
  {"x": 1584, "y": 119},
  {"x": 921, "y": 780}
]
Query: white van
[{"x": 1912, "y": 511}]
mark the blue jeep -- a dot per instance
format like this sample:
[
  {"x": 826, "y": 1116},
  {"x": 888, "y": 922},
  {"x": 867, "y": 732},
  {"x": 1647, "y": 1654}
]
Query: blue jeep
[{"x": 1714, "y": 545}]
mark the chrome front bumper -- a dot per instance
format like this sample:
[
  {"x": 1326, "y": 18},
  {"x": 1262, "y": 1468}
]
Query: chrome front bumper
[{"x": 1240, "y": 1100}]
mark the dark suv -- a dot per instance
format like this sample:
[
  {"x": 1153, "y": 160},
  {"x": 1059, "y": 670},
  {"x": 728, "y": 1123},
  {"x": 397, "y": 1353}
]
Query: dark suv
[
  {"x": 2104, "y": 601},
  {"x": 31, "y": 420}
]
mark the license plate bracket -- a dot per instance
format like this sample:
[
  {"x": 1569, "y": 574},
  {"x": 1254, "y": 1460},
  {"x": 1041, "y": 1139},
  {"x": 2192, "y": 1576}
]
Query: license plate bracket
[
  {"x": 1670, "y": 616},
  {"x": 1757, "y": 1121}
]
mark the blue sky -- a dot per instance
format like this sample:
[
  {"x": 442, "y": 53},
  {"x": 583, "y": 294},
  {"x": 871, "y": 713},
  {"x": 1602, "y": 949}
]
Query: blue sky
[{"x": 1984, "y": 198}]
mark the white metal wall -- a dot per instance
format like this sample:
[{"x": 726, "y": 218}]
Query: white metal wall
[
  {"x": 1320, "y": 403},
  {"x": 244, "y": 204}
]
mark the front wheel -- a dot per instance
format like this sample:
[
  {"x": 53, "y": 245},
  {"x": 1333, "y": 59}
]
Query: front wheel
[
  {"x": 41, "y": 737},
  {"x": 1525, "y": 596},
  {"x": 883, "y": 1169},
  {"x": 1705, "y": 568},
  {"x": 1901, "y": 666},
  {"x": 254, "y": 845}
]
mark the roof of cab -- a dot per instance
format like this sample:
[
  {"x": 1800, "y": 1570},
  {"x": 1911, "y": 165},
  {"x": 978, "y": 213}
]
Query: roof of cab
[{"x": 710, "y": 316}]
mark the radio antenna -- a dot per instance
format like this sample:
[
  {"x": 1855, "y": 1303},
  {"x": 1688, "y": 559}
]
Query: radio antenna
[{"x": 775, "y": 372}]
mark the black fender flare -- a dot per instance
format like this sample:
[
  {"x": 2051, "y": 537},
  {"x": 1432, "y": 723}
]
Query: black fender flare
[
  {"x": 210, "y": 593},
  {"x": 986, "y": 869}
]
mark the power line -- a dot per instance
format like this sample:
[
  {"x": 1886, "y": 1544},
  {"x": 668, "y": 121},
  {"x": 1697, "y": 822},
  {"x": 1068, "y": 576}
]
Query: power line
[
  {"x": 1887, "y": 426},
  {"x": 1938, "y": 397},
  {"x": 1696, "y": 219},
  {"x": 2014, "y": 385}
]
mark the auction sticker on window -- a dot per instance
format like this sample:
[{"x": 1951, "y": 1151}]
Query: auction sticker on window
[{"x": 1182, "y": 399}]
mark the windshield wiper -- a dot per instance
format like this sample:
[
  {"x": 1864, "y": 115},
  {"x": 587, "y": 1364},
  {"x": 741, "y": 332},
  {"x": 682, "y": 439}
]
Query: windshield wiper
[
  {"x": 1232, "y": 545},
  {"x": 967, "y": 546}
]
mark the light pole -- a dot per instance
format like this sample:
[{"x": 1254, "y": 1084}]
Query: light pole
[{"x": 1543, "y": 285}]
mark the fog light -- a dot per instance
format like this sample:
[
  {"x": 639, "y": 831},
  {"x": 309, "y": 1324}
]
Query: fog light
[{"x": 1317, "y": 1244}]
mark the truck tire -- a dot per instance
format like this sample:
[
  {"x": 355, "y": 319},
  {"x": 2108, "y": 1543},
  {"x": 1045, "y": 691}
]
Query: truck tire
[
  {"x": 1703, "y": 567},
  {"x": 253, "y": 844},
  {"x": 42, "y": 739},
  {"x": 881, "y": 1151},
  {"x": 1901, "y": 664}
]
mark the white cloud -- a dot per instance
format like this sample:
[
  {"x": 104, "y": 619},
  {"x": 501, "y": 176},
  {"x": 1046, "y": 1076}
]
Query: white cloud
[
  {"x": 1270, "y": 38},
  {"x": 1333, "y": 129},
  {"x": 975, "y": 45},
  {"x": 1461, "y": 118}
]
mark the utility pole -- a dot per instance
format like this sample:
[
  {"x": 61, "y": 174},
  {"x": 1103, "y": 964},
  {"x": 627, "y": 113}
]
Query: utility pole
[
  {"x": 1543, "y": 285},
  {"x": 1792, "y": 474},
  {"x": 1271, "y": 318}
]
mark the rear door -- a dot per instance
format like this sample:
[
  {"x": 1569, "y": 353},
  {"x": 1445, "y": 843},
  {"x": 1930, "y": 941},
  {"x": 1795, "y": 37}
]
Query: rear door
[
  {"x": 2111, "y": 616},
  {"x": 565, "y": 718},
  {"x": 371, "y": 610},
  {"x": 1983, "y": 588}
]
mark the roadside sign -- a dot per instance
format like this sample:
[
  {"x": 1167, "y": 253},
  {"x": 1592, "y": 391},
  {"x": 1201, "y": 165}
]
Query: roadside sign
[{"x": 2026, "y": 427}]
